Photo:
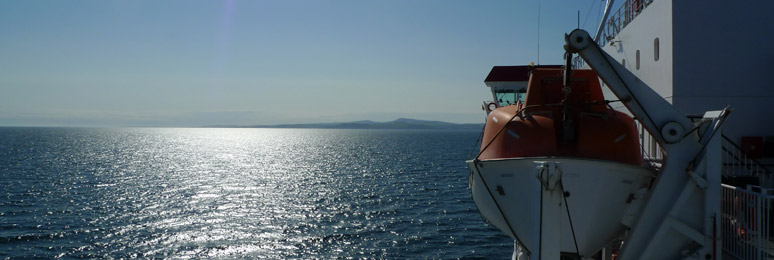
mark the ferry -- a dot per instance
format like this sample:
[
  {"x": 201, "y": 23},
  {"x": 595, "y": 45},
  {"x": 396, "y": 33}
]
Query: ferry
[{"x": 653, "y": 140}]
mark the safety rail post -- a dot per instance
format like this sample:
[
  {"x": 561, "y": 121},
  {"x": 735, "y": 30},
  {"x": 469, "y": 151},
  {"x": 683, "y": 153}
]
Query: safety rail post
[{"x": 759, "y": 226}]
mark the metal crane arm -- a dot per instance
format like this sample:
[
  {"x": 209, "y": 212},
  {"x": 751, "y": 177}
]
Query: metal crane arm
[
  {"x": 682, "y": 208},
  {"x": 662, "y": 120}
]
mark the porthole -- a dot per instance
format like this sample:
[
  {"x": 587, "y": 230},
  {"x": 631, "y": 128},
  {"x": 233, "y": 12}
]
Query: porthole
[{"x": 637, "y": 59}]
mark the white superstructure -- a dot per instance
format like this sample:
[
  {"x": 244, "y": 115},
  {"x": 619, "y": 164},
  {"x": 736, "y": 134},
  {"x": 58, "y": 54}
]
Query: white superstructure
[{"x": 701, "y": 55}]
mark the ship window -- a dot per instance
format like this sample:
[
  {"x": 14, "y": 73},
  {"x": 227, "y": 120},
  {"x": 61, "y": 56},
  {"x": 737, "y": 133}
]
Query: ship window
[
  {"x": 506, "y": 98},
  {"x": 655, "y": 49},
  {"x": 637, "y": 59},
  {"x": 509, "y": 97}
]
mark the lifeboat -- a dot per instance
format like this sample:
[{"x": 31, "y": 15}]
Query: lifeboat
[
  {"x": 550, "y": 123},
  {"x": 539, "y": 120}
]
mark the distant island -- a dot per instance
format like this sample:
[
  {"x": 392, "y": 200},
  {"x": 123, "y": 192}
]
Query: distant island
[{"x": 401, "y": 123}]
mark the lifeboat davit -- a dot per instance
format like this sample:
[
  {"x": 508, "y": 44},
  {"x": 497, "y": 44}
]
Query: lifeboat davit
[{"x": 595, "y": 147}]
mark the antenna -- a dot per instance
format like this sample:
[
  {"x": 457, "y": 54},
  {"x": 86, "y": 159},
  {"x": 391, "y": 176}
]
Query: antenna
[
  {"x": 578, "y": 19},
  {"x": 538, "y": 34}
]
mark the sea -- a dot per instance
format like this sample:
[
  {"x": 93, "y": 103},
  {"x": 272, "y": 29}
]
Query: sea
[{"x": 240, "y": 193}]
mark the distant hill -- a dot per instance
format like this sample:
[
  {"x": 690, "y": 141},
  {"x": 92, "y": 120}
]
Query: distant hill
[{"x": 400, "y": 123}]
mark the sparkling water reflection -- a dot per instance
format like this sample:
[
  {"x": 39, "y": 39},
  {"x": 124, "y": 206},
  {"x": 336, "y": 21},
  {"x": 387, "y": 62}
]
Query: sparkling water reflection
[{"x": 260, "y": 193}]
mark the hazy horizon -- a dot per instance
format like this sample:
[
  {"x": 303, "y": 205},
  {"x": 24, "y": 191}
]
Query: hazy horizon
[
  {"x": 181, "y": 63},
  {"x": 181, "y": 123}
]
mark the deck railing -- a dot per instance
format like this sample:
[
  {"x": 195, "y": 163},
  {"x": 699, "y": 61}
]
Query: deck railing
[
  {"x": 746, "y": 209},
  {"x": 746, "y": 222},
  {"x": 738, "y": 164},
  {"x": 619, "y": 19},
  {"x": 652, "y": 154}
]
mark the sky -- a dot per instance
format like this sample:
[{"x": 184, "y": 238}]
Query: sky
[{"x": 195, "y": 63}]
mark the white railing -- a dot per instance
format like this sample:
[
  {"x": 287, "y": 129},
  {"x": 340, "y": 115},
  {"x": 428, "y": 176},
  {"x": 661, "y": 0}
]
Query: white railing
[
  {"x": 746, "y": 222},
  {"x": 578, "y": 62},
  {"x": 738, "y": 164},
  {"x": 652, "y": 154},
  {"x": 735, "y": 162},
  {"x": 624, "y": 15},
  {"x": 621, "y": 17}
]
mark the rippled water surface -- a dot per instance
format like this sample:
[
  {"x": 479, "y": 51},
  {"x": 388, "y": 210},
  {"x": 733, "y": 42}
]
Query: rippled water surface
[{"x": 239, "y": 193}]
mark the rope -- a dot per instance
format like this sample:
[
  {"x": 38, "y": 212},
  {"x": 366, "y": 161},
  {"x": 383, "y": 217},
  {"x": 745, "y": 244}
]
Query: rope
[
  {"x": 588, "y": 14},
  {"x": 502, "y": 213},
  {"x": 567, "y": 207},
  {"x": 501, "y": 130},
  {"x": 561, "y": 183},
  {"x": 480, "y": 135},
  {"x": 698, "y": 156}
]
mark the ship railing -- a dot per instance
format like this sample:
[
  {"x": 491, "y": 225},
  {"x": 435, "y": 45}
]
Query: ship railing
[
  {"x": 738, "y": 168},
  {"x": 652, "y": 154},
  {"x": 619, "y": 19},
  {"x": 578, "y": 62},
  {"x": 746, "y": 221},
  {"x": 737, "y": 164}
]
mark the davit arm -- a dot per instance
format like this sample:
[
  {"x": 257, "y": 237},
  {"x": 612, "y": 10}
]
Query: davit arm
[
  {"x": 648, "y": 106},
  {"x": 681, "y": 211}
]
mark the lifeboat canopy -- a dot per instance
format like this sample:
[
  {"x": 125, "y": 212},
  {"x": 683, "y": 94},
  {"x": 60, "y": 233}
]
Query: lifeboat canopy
[{"x": 534, "y": 115}]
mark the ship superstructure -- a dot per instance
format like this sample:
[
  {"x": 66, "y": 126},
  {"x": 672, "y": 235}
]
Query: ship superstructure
[{"x": 700, "y": 56}]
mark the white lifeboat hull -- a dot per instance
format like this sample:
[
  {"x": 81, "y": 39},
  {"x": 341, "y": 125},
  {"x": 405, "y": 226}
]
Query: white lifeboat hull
[{"x": 507, "y": 193}]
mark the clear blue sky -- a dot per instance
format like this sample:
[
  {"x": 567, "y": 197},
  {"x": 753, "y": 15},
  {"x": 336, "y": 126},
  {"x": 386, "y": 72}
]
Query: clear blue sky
[{"x": 188, "y": 63}]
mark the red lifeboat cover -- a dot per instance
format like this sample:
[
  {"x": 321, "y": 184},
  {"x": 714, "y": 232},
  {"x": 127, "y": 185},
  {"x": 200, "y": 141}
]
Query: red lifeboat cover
[{"x": 595, "y": 130}]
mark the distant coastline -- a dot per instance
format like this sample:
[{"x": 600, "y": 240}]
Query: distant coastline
[{"x": 401, "y": 123}]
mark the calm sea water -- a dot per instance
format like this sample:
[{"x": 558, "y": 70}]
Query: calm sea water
[{"x": 239, "y": 193}]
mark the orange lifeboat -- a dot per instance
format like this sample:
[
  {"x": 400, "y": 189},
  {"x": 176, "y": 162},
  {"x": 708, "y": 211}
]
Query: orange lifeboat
[{"x": 552, "y": 124}]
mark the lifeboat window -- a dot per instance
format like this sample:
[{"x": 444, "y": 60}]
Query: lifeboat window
[{"x": 509, "y": 97}]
